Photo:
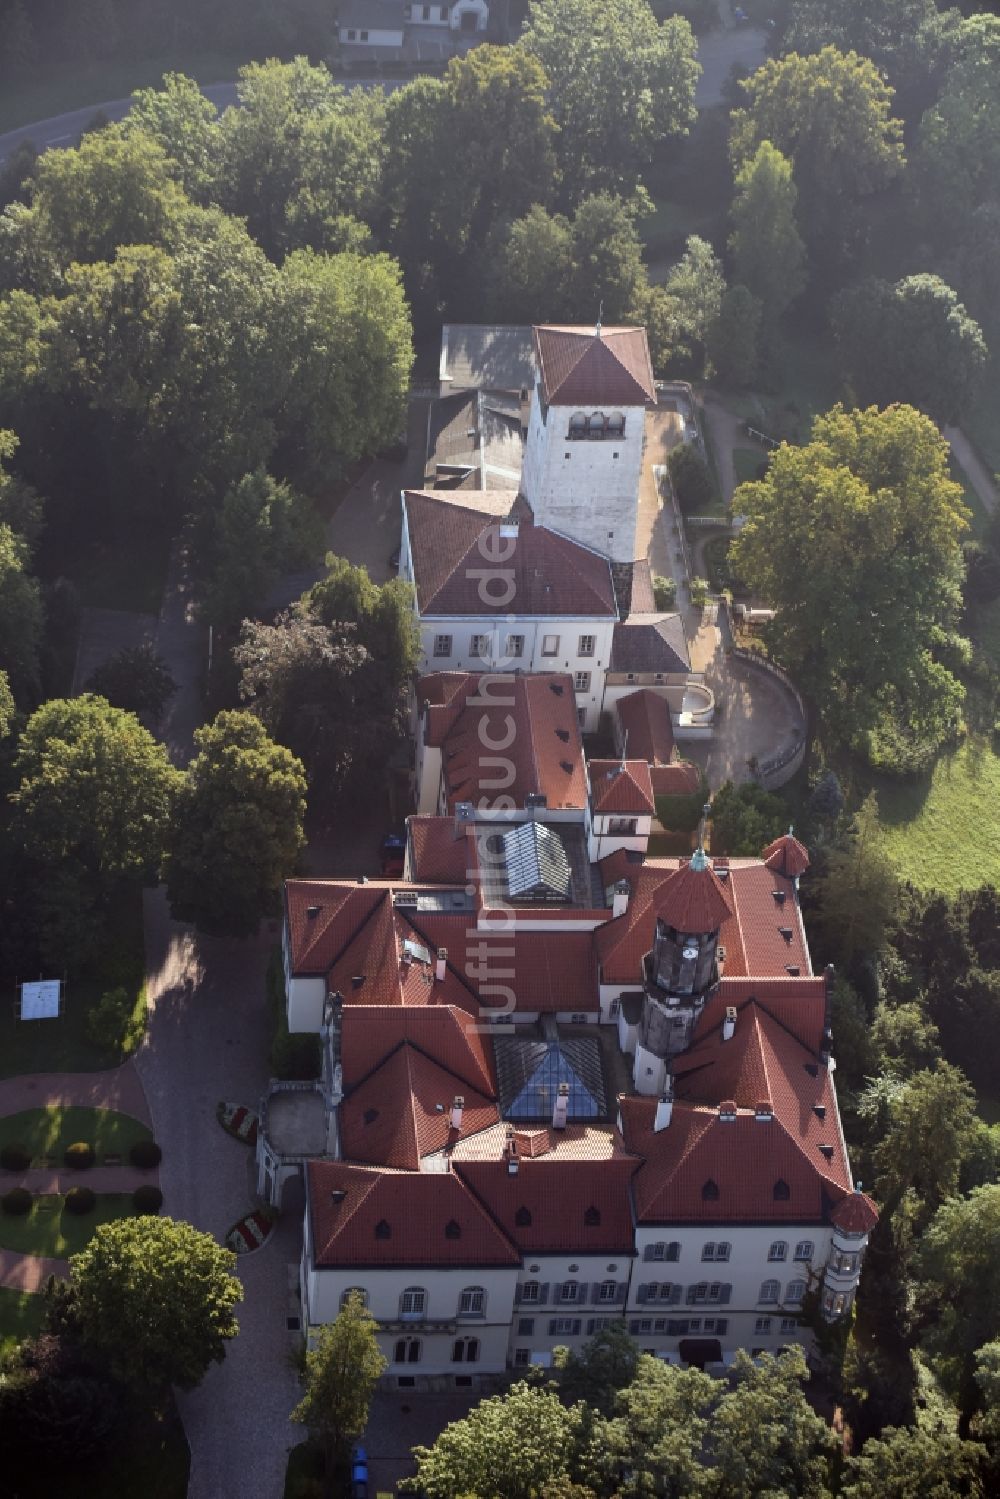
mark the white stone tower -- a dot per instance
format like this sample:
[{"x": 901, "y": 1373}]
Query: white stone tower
[{"x": 586, "y": 433}]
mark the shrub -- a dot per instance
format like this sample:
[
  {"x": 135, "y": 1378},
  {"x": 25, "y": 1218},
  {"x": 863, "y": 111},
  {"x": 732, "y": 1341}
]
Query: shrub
[
  {"x": 664, "y": 591},
  {"x": 80, "y": 1200},
  {"x": 147, "y": 1199},
  {"x": 113, "y": 1023},
  {"x": 145, "y": 1154},
  {"x": 79, "y": 1155},
  {"x": 16, "y": 1202},
  {"x": 690, "y": 477},
  {"x": 699, "y": 592},
  {"x": 15, "y": 1156}
]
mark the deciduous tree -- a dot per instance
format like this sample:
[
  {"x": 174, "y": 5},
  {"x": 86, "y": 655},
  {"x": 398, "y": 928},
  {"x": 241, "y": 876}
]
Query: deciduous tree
[
  {"x": 931, "y": 1128},
  {"x": 136, "y": 679},
  {"x": 156, "y": 1300},
  {"x": 237, "y": 826},
  {"x": 263, "y": 530},
  {"x": 959, "y": 1290},
  {"x": 858, "y": 890},
  {"x": 915, "y": 1463},
  {"x": 185, "y": 125},
  {"x": 732, "y": 341},
  {"x": 343, "y": 1367},
  {"x": 620, "y": 83},
  {"x": 767, "y": 251}
]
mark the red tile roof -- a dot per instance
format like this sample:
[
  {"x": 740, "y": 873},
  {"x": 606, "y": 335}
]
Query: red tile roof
[
  {"x": 694, "y": 899},
  {"x": 857, "y": 1214},
  {"x": 436, "y": 855},
  {"x": 535, "y": 718},
  {"x": 376, "y": 956},
  {"x": 416, "y": 1208},
  {"x": 797, "y": 1004},
  {"x": 452, "y": 543},
  {"x": 402, "y": 1111},
  {"x": 645, "y": 717},
  {"x": 679, "y": 779},
  {"x": 618, "y": 786},
  {"x": 323, "y": 915},
  {"x": 559, "y": 1196},
  {"x": 451, "y": 1035},
  {"x": 787, "y": 856},
  {"x": 583, "y": 367},
  {"x": 546, "y": 972}
]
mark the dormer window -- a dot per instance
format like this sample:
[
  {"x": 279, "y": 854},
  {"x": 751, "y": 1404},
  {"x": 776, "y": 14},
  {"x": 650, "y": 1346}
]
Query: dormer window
[
  {"x": 452, "y": 1230},
  {"x": 592, "y": 1217},
  {"x": 522, "y": 1218},
  {"x": 782, "y": 1191},
  {"x": 382, "y": 1230},
  {"x": 710, "y": 1191}
]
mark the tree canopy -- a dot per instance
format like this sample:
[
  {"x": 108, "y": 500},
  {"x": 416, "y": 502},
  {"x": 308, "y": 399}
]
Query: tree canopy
[
  {"x": 342, "y": 1369},
  {"x": 855, "y": 538},
  {"x": 236, "y": 828},
  {"x": 156, "y": 1299},
  {"x": 765, "y": 245}
]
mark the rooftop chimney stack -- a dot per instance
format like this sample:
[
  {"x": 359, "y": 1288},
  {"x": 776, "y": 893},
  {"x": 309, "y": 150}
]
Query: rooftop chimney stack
[
  {"x": 729, "y": 1024},
  {"x": 763, "y": 1112},
  {"x": 560, "y": 1110},
  {"x": 619, "y": 898},
  {"x": 664, "y": 1107},
  {"x": 457, "y": 1108},
  {"x": 441, "y": 965},
  {"x": 510, "y": 1151}
]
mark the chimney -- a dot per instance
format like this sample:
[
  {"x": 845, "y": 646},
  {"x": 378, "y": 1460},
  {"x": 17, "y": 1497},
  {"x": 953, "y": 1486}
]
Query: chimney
[
  {"x": 664, "y": 1107},
  {"x": 560, "y": 1110},
  {"x": 727, "y": 1111},
  {"x": 457, "y": 1107},
  {"x": 441, "y": 965},
  {"x": 619, "y": 898},
  {"x": 510, "y": 1151},
  {"x": 729, "y": 1024},
  {"x": 465, "y": 816},
  {"x": 312, "y": 912},
  {"x": 763, "y": 1112}
]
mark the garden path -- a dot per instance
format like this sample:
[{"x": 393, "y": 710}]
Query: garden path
[
  {"x": 116, "y": 1088},
  {"x": 28, "y": 1272},
  {"x": 47, "y": 1180}
]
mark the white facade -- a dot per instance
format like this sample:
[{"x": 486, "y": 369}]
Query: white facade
[
  {"x": 564, "y": 1299},
  {"x": 304, "y": 997},
  {"x": 614, "y": 830},
  {"x": 355, "y": 36},
  {"x": 586, "y": 487}
]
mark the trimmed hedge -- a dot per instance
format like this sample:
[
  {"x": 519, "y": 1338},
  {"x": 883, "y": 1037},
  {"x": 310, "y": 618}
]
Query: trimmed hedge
[
  {"x": 15, "y": 1157},
  {"x": 16, "y": 1202},
  {"x": 145, "y": 1154},
  {"x": 147, "y": 1199},
  {"x": 79, "y": 1155},
  {"x": 80, "y": 1200}
]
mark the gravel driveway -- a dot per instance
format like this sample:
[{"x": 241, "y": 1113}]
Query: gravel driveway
[{"x": 207, "y": 1041}]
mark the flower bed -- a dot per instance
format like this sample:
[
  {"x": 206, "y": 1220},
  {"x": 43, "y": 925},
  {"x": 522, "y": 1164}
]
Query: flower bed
[
  {"x": 238, "y": 1121},
  {"x": 251, "y": 1232}
]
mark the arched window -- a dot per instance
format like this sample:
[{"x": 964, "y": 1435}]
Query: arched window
[
  {"x": 795, "y": 1292},
  {"x": 781, "y": 1191},
  {"x": 778, "y": 1250},
  {"x": 407, "y": 1351},
  {"x": 578, "y": 424},
  {"x": 804, "y": 1249},
  {"x": 465, "y": 1351},
  {"x": 616, "y": 423},
  {"x": 472, "y": 1302},
  {"x": 413, "y": 1302},
  {"x": 596, "y": 424},
  {"x": 345, "y": 1296},
  {"x": 769, "y": 1291}
]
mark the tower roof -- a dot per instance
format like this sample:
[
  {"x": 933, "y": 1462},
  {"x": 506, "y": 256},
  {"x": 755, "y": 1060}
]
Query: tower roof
[
  {"x": 857, "y": 1214},
  {"x": 594, "y": 367},
  {"x": 787, "y": 856},
  {"x": 693, "y": 898}
]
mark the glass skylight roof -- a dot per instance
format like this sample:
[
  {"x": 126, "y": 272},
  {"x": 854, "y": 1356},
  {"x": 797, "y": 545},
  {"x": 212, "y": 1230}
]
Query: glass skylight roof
[
  {"x": 529, "y": 1074},
  {"x": 537, "y": 864}
]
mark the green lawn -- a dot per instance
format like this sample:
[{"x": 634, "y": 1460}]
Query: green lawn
[
  {"x": 49, "y": 1230},
  {"x": 746, "y": 462},
  {"x": 63, "y": 1045},
  {"x": 48, "y": 1131},
  {"x": 21, "y": 1317},
  {"x": 943, "y": 831},
  {"x": 75, "y": 85}
]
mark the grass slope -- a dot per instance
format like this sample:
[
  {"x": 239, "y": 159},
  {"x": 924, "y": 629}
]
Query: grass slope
[
  {"x": 943, "y": 831},
  {"x": 50, "y": 1231},
  {"x": 47, "y": 1131}
]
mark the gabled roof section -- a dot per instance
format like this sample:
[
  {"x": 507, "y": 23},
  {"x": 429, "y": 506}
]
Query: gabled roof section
[
  {"x": 787, "y": 856},
  {"x": 621, "y": 787},
  {"x": 402, "y": 1111},
  {"x": 682, "y": 778},
  {"x": 555, "y": 1204},
  {"x": 544, "y": 971},
  {"x": 437, "y": 854},
  {"x": 693, "y": 898},
  {"x": 797, "y": 1004},
  {"x": 322, "y": 917},
  {"x": 388, "y": 962},
  {"x": 645, "y": 717},
  {"x": 448, "y": 1034},
  {"x": 454, "y": 538},
  {"x": 544, "y": 748},
  {"x": 371, "y": 1217},
  {"x": 650, "y": 642},
  {"x": 581, "y": 366}
]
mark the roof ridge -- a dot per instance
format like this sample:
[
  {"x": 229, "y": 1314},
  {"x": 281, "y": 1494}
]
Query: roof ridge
[{"x": 355, "y": 1207}]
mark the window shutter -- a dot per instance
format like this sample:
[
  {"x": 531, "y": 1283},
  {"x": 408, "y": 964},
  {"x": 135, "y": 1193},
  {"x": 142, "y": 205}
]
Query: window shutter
[
  {"x": 590, "y": 1326},
  {"x": 691, "y": 1295},
  {"x": 543, "y": 1293},
  {"x": 620, "y": 1290},
  {"x": 556, "y": 1292},
  {"x": 724, "y": 1294},
  {"x": 577, "y": 1324},
  {"x": 552, "y": 1327},
  {"x": 595, "y": 1291},
  {"x": 643, "y": 1294},
  {"x": 581, "y": 1294},
  {"x": 647, "y": 1253},
  {"x": 517, "y": 1295}
]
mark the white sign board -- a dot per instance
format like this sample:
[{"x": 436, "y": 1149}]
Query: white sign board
[{"x": 40, "y": 1001}]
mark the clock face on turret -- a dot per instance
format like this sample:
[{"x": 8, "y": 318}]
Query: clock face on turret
[{"x": 689, "y": 954}]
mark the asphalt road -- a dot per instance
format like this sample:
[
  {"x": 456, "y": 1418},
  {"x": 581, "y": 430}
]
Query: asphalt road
[{"x": 716, "y": 52}]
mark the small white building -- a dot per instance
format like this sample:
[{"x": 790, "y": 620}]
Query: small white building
[{"x": 371, "y": 23}]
